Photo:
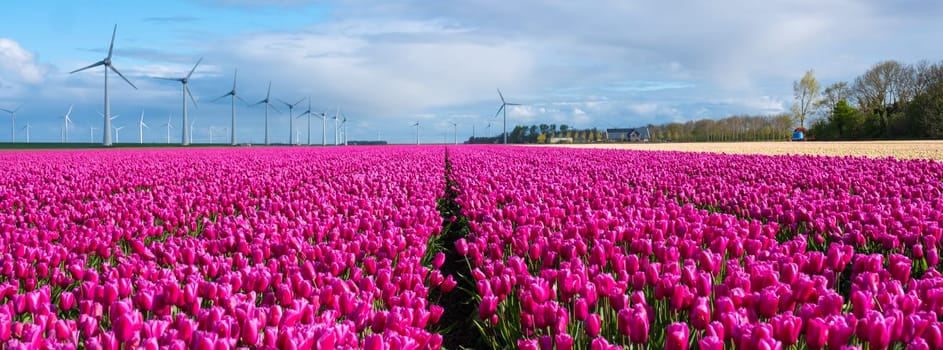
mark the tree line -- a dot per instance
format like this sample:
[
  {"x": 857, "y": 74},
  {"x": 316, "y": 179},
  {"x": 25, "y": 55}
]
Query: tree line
[
  {"x": 542, "y": 133},
  {"x": 891, "y": 100}
]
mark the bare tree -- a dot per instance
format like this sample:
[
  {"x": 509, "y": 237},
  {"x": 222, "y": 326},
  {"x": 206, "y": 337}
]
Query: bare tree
[
  {"x": 880, "y": 88},
  {"x": 806, "y": 92},
  {"x": 831, "y": 95}
]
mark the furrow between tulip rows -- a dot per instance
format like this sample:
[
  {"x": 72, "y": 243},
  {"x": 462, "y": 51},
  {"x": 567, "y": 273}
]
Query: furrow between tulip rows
[
  {"x": 221, "y": 248},
  {"x": 595, "y": 249}
]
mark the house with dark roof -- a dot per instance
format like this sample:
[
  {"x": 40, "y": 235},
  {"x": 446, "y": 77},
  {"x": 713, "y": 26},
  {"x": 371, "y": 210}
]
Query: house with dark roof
[{"x": 629, "y": 134}]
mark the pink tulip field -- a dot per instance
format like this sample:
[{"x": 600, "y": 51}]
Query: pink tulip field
[
  {"x": 215, "y": 249},
  {"x": 409, "y": 247},
  {"x": 611, "y": 249}
]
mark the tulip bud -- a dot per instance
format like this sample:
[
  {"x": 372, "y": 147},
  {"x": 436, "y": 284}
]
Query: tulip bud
[
  {"x": 438, "y": 260},
  {"x": 817, "y": 333},
  {"x": 488, "y": 306},
  {"x": 593, "y": 323},
  {"x": 676, "y": 336},
  {"x": 66, "y": 301},
  {"x": 580, "y": 309}
]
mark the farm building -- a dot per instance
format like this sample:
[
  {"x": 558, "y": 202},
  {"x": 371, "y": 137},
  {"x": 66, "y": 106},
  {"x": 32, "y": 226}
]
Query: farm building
[{"x": 629, "y": 134}]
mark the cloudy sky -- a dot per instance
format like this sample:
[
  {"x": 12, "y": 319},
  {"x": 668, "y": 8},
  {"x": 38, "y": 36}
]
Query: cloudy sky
[{"x": 388, "y": 64}]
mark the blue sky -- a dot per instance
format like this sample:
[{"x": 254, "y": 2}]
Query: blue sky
[{"x": 388, "y": 64}]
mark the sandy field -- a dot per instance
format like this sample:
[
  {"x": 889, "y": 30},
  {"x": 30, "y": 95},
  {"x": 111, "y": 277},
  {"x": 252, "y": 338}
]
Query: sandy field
[{"x": 877, "y": 149}]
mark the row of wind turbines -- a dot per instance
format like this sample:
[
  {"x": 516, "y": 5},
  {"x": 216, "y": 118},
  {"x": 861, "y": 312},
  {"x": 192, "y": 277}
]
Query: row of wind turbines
[
  {"x": 186, "y": 132},
  {"x": 186, "y": 138}
]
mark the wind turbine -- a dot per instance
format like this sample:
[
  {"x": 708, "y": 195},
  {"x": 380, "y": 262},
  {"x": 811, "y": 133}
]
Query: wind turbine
[
  {"x": 291, "y": 119},
  {"x": 336, "y": 134},
  {"x": 117, "y": 129},
  {"x": 234, "y": 97},
  {"x": 504, "y": 105},
  {"x": 12, "y": 126},
  {"x": 27, "y": 127},
  {"x": 107, "y": 63},
  {"x": 324, "y": 127},
  {"x": 268, "y": 102},
  {"x": 169, "y": 124},
  {"x": 91, "y": 134},
  {"x": 308, "y": 113},
  {"x": 186, "y": 91},
  {"x": 191, "y": 130},
  {"x": 141, "y": 126},
  {"x": 455, "y": 130},
  {"x": 489, "y": 128},
  {"x": 66, "y": 120},
  {"x": 344, "y": 127},
  {"x": 417, "y": 131}
]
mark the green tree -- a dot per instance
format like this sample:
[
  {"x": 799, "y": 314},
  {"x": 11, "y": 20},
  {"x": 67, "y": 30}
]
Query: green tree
[{"x": 806, "y": 91}]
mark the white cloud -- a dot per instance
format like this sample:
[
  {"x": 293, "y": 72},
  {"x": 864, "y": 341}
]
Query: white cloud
[{"x": 19, "y": 63}]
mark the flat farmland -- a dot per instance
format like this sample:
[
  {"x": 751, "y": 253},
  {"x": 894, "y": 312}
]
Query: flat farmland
[
  {"x": 874, "y": 149},
  {"x": 468, "y": 247}
]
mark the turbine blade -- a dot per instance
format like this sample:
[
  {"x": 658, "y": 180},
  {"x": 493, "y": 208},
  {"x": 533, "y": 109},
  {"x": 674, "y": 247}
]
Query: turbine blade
[
  {"x": 275, "y": 108},
  {"x": 111, "y": 47},
  {"x": 187, "y": 88},
  {"x": 18, "y": 108},
  {"x": 69, "y": 112},
  {"x": 194, "y": 67},
  {"x": 513, "y": 104},
  {"x": 221, "y": 97},
  {"x": 122, "y": 76},
  {"x": 6, "y": 110},
  {"x": 241, "y": 99},
  {"x": 283, "y": 101},
  {"x": 501, "y": 95},
  {"x": 93, "y": 65},
  {"x": 299, "y": 101},
  {"x": 171, "y": 79},
  {"x": 499, "y": 111},
  {"x": 235, "y": 73},
  {"x": 268, "y": 94}
]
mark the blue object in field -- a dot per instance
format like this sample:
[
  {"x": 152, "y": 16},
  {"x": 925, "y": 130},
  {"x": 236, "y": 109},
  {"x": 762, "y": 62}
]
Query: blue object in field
[{"x": 798, "y": 136}]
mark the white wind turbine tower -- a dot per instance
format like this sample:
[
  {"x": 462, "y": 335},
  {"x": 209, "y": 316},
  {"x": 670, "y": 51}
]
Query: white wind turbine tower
[
  {"x": 141, "y": 126},
  {"x": 417, "y": 131},
  {"x": 186, "y": 91},
  {"x": 66, "y": 120},
  {"x": 117, "y": 129},
  {"x": 234, "y": 97},
  {"x": 27, "y": 127},
  {"x": 308, "y": 113},
  {"x": 336, "y": 130},
  {"x": 324, "y": 127},
  {"x": 193, "y": 122},
  {"x": 13, "y": 118},
  {"x": 504, "y": 105},
  {"x": 291, "y": 119},
  {"x": 107, "y": 63},
  {"x": 455, "y": 131},
  {"x": 268, "y": 103},
  {"x": 169, "y": 124},
  {"x": 344, "y": 127}
]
